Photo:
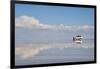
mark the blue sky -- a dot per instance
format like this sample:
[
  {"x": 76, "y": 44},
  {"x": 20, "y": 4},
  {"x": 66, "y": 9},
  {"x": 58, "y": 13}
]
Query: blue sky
[
  {"x": 37, "y": 22},
  {"x": 56, "y": 14}
]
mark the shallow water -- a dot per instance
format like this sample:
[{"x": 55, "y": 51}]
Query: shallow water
[{"x": 53, "y": 52}]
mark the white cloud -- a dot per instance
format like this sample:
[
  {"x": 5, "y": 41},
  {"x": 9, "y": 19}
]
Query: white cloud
[
  {"x": 30, "y": 22},
  {"x": 26, "y": 21},
  {"x": 87, "y": 27}
]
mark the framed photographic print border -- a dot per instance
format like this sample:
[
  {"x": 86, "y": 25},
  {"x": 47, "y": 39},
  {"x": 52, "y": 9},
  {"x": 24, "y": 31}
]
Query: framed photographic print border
[{"x": 12, "y": 36}]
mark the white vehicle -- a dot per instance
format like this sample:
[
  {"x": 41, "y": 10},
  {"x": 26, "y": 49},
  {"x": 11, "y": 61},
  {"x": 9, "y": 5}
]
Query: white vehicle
[{"x": 78, "y": 39}]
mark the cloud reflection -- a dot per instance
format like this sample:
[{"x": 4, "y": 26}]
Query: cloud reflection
[{"x": 33, "y": 50}]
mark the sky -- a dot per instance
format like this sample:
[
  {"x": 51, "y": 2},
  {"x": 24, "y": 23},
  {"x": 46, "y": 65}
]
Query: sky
[
  {"x": 57, "y": 15},
  {"x": 37, "y": 22}
]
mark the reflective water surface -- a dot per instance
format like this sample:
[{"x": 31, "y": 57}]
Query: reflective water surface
[{"x": 41, "y": 53}]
